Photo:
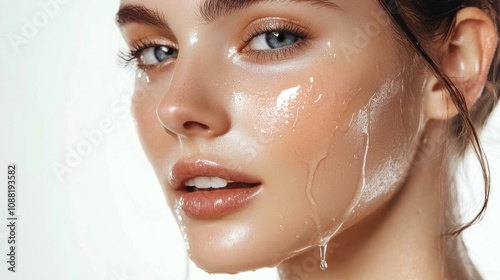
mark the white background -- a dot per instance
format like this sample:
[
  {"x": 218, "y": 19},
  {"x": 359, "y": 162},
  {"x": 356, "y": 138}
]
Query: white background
[{"x": 107, "y": 218}]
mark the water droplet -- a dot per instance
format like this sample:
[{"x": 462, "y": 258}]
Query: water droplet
[{"x": 322, "y": 254}]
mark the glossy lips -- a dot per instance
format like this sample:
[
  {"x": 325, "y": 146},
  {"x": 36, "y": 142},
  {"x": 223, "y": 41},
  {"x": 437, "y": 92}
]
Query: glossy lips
[{"x": 205, "y": 190}]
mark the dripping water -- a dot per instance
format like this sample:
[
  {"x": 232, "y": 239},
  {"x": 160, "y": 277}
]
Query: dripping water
[
  {"x": 143, "y": 76},
  {"x": 322, "y": 255},
  {"x": 367, "y": 148}
]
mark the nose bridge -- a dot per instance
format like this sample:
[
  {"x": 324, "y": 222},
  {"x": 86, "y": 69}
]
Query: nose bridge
[
  {"x": 201, "y": 59},
  {"x": 190, "y": 72},
  {"x": 194, "y": 104}
]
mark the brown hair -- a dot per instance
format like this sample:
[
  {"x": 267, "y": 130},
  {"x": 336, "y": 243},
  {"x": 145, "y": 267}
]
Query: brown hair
[{"x": 426, "y": 23}]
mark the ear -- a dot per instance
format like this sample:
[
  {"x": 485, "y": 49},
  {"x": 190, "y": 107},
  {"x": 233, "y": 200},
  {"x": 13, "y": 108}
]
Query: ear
[{"x": 465, "y": 57}]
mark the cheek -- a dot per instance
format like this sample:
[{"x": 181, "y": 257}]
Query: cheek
[
  {"x": 330, "y": 149},
  {"x": 300, "y": 131},
  {"x": 385, "y": 132}
]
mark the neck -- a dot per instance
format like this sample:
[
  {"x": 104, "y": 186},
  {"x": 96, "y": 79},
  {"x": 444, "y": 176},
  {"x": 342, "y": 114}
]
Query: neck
[{"x": 403, "y": 240}]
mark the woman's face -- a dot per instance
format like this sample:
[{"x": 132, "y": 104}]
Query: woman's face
[{"x": 271, "y": 125}]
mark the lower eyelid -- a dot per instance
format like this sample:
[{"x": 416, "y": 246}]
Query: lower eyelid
[{"x": 155, "y": 68}]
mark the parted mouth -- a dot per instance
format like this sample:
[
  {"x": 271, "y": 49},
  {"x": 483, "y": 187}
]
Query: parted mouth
[
  {"x": 203, "y": 175},
  {"x": 214, "y": 183}
]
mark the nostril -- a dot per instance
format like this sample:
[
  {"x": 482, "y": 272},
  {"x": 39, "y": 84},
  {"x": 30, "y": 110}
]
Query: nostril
[{"x": 191, "y": 125}]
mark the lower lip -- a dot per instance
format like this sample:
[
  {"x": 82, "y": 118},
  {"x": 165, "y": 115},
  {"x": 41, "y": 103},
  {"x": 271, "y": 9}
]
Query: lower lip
[{"x": 217, "y": 203}]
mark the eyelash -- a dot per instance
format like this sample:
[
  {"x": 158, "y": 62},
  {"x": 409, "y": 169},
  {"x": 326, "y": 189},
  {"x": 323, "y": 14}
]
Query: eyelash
[{"x": 129, "y": 59}]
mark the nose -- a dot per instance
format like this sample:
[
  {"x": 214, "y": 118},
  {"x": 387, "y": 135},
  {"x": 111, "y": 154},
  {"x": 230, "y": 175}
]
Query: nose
[{"x": 193, "y": 105}]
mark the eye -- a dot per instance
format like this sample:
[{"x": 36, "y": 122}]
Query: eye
[
  {"x": 155, "y": 55},
  {"x": 273, "y": 40}
]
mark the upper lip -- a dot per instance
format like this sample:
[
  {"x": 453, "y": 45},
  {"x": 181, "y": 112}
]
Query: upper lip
[{"x": 183, "y": 171}]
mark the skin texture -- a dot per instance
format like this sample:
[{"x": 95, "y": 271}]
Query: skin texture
[{"x": 331, "y": 128}]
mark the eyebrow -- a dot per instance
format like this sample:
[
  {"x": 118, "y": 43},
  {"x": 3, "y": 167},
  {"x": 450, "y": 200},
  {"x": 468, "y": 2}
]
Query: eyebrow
[
  {"x": 214, "y": 9},
  {"x": 210, "y": 10},
  {"x": 134, "y": 13}
]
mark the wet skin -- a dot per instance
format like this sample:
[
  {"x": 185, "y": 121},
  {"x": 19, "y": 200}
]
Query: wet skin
[{"x": 313, "y": 102}]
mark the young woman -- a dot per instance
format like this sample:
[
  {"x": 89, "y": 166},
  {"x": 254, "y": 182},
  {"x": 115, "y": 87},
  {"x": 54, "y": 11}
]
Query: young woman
[{"x": 281, "y": 127}]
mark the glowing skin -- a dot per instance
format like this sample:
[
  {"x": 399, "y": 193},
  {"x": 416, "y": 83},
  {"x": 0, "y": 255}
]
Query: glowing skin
[{"x": 328, "y": 131}]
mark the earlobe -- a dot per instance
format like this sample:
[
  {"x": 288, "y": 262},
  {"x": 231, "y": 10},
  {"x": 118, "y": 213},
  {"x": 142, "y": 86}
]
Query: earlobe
[{"x": 465, "y": 57}]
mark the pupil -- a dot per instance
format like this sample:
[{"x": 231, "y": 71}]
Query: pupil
[{"x": 280, "y": 36}]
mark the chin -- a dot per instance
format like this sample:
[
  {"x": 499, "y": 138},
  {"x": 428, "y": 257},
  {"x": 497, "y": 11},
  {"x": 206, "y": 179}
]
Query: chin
[
  {"x": 230, "y": 261},
  {"x": 218, "y": 247}
]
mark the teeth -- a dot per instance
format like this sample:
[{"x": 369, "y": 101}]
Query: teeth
[
  {"x": 202, "y": 182},
  {"x": 189, "y": 183},
  {"x": 217, "y": 183},
  {"x": 207, "y": 182}
]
